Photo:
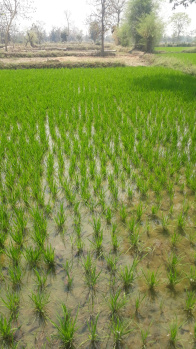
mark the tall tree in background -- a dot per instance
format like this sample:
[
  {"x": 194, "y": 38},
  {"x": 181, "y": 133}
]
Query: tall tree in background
[
  {"x": 135, "y": 11},
  {"x": 9, "y": 11},
  {"x": 102, "y": 14},
  {"x": 117, "y": 9},
  {"x": 180, "y": 21},
  {"x": 94, "y": 30},
  {"x": 68, "y": 19}
]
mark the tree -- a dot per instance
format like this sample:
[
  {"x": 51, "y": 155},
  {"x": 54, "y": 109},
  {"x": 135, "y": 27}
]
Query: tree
[
  {"x": 103, "y": 16},
  {"x": 150, "y": 29},
  {"x": 30, "y": 38},
  {"x": 55, "y": 35},
  {"x": 185, "y": 3},
  {"x": 9, "y": 11},
  {"x": 64, "y": 35},
  {"x": 180, "y": 22},
  {"x": 94, "y": 30},
  {"x": 39, "y": 30},
  {"x": 135, "y": 11},
  {"x": 117, "y": 9},
  {"x": 68, "y": 16}
]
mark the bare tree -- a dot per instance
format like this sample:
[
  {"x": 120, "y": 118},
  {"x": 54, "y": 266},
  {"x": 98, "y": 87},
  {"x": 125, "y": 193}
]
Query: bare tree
[
  {"x": 118, "y": 7},
  {"x": 180, "y": 21},
  {"x": 68, "y": 16},
  {"x": 9, "y": 10},
  {"x": 102, "y": 14}
]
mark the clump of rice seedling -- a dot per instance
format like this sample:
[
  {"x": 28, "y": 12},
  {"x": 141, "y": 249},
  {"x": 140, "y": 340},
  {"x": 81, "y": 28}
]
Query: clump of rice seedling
[
  {"x": 12, "y": 303},
  {"x": 120, "y": 329},
  {"x": 66, "y": 328},
  {"x": 68, "y": 268},
  {"x": 32, "y": 256},
  {"x": 116, "y": 302},
  {"x": 60, "y": 217},
  {"x": 128, "y": 274},
  {"x": 49, "y": 256},
  {"x": 190, "y": 301},
  {"x": 151, "y": 279},
  {"x": 40, "y": 301},
  {"x": 111, "y": 263},
  {"x": 6, "y": 330},
  {"x": 92, "y": 327},
  {"x": 138, "y": 302},
  {"x": 123, "y": 213},
  {"x": 40, "y": 280},
  {"x": 15, "y": 274}
]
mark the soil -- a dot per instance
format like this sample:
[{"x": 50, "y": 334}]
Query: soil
[{"x": 133, "y": 59}]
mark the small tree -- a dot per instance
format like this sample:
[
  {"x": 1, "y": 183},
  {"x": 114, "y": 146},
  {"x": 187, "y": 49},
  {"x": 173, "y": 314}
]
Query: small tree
[
  {"x": 30, "y": 38},
  {"x": 64, "y": 35},
  {"x": 150, "y": 28},
  {"x": 94, "y": 31},
  {"x": 135, "y": 11},
  {"x": 180, "y": 21}
]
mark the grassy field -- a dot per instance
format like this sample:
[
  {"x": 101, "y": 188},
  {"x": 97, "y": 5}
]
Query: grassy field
[
  {"x": 185, "y": 58},
  {"x": 173, "y": 49},
  {"x": 97, "y": 207}
]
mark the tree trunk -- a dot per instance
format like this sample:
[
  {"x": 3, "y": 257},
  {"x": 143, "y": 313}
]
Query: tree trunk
[{"x": 102, "y": 27}]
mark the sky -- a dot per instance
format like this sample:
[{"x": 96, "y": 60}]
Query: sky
[{"x": 52, "y": 13}]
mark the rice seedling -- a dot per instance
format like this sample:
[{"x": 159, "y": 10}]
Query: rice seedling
[
  {"x": 164, "y": 222},
  {"x": 123, "y": 213},
  {"x": 15, "y": 274},
  {"x": 120, "y": 329},
  {"x": 92, "y": 327},
  {"x": 66, "y": 328},
  {"x": 138, "y": 301},
  {"x": 12, "y": 303},
  {"x": 173, "y": 332},
  {"x": 192, "y": 277},
  {"x": 91, "y": 277},
  {"x": 87, "y": 263},
  {"x": 18, "y": 238},
  {"x": 111, "y": 263},
  {"x": 40, "y": 280},
  {"x": 68, "y": 268},
  {"x": 128, "y": 274},
  {"x": 108, "y": 215},
  {"x": 96, "y": 226},
  {"x": 60, "y": 217},
  {"x": 173, "y": 278},
  {"x": 116, "y": 302},
  {"x": 190, "y": 301},
  {"x": 115, "y": 242},
  {"x": 139, "y": 211},
  {"x": 49, "y": 257},
  {"x": 145, "y": 334},
  {"x": 181, "y": 221},
  {"x": 6, "y": 330},
  {"x": 151, "y": 279},
  {"x": 32, "y": 256},
  {"x": 40, "y": 301},
  {"x": 14, "y": 254}
]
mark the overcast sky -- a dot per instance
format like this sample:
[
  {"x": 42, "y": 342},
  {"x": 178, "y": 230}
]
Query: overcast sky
[{"x": 51, "y": 13}]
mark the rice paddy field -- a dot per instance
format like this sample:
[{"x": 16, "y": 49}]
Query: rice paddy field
[
  {"x": 173, "y": 49},
  {"x": 97, "y": 208}
]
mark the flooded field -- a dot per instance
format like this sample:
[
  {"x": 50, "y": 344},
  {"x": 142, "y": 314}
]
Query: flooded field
[{"x": 97, "y": 208}]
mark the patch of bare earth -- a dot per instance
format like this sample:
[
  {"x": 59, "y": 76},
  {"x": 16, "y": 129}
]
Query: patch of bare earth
[{"x": 129, "y": 59}]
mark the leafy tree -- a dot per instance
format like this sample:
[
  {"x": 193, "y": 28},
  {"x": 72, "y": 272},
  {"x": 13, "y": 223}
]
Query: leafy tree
[
  {"x": 117, "y": 9},
  {"x": 180, "y": 22},
  {"x": 135, "y": 11},
  {"x": 55, "y": 35},
  {"x": 94, "y": 30},
  {"x": 150, "y": 28},
  {"x": 39, "y": 30},
  {"x": 30, "y": 38},
  {"x": 64, "y": 35}
]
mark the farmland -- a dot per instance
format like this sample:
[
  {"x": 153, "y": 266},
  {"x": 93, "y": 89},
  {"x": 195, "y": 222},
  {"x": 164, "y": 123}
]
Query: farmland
[{"x": 97, "y": 207}]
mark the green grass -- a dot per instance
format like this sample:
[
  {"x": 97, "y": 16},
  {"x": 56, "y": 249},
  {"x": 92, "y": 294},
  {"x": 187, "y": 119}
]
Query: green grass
[{"x": 173, "y": 49}]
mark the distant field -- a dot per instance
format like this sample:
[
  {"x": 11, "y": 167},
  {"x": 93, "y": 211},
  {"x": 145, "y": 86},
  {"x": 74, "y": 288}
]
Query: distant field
[
  {"x": 186, "y": 58},
  {"x": 173, "y": 49}
]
